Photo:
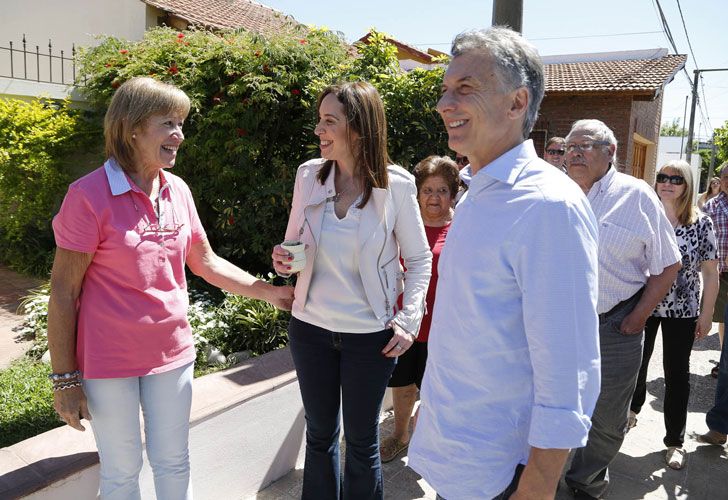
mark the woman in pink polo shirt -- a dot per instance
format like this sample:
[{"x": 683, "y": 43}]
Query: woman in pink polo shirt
[{"x": 117, "y": 318}]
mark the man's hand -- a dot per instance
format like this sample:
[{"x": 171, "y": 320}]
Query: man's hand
[{"x": 633, "y": 323}]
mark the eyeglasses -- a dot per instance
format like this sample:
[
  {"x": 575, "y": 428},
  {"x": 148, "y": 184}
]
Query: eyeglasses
[
  {"x": 676, "y": 180},
  {"x": 556, "y": 152},
  {"x": 587, "y": 146},
  {"x": 158, "y": 230},
  {"x": 461, "y": 160}
]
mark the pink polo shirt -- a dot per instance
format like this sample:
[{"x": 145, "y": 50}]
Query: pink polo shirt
[{"x": 132, "y": 311}]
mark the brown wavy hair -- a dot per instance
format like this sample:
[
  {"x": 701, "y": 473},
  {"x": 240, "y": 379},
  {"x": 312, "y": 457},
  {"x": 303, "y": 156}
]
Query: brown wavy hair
[{"x": 364, "y": 112}]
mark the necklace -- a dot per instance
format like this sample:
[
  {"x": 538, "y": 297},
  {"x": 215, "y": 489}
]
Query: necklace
[{"x": 338, "y": 195}]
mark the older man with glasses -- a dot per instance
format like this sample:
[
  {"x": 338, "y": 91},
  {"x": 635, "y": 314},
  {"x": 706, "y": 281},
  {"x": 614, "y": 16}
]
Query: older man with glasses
[
  {"x": 554, "y": 152},
  {"x": 638, "y": 263}
]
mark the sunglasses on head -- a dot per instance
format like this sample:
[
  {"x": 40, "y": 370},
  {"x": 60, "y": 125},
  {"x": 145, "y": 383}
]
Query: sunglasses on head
[
  {"x": 556, "y": 152},
  {"x": 677, "y": 180}
]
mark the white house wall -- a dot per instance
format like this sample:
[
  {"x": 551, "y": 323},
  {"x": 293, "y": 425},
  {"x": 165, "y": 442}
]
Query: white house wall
[{"x": 66, "y": 22}]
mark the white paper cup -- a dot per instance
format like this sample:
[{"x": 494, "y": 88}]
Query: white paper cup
[{"x": 298, "y": 250}]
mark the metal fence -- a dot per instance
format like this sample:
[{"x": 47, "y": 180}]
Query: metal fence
[{"x": 24, "y": 63}]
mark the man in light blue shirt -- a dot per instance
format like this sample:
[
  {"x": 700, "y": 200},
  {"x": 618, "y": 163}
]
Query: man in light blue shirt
[{"x": 513, "y": 369}]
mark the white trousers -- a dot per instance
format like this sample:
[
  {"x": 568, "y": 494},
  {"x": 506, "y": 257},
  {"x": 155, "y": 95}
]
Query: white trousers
[{"x": 165, "y": 400}]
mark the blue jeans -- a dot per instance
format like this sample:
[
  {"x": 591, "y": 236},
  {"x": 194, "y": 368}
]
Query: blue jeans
[
  {"x": 344, "y": 370},
  {"x": 621, "y": 360},
  {"x": 165, "y": 400},
  {"x": 717, "y": 416}
]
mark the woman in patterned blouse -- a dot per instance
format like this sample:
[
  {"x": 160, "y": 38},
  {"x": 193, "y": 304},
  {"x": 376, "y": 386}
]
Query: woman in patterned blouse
[{"x": 679, "y": 314}]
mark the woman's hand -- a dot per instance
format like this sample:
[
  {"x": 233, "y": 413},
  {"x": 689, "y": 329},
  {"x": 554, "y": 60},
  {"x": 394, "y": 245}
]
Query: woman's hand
[
  {"x": 703, "y": 326},
  {"x": 399, "y": 343},
  {"x": 281, "y": 259},
  {"x": 71, "y": 406}
]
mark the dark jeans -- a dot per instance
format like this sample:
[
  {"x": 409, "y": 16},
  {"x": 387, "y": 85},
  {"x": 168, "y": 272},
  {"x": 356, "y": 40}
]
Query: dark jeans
[
  {"x": 717, "y": 416},
  {"x": 678, "y": 335},
  {"x": 344, "y": 370},
  {"x": 510, "y": 489}
]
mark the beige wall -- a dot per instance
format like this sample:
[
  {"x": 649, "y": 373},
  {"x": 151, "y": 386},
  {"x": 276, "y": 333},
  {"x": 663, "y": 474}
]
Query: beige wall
[{"x": 66, "y": 22}]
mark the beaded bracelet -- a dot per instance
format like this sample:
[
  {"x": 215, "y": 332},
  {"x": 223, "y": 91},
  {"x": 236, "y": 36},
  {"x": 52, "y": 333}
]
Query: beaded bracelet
[
  {"x": 66, "y": 385},
  {"x": 57, "y": 377}
]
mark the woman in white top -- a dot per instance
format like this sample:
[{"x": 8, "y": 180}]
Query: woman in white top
[{"x": 357, "y": 214}]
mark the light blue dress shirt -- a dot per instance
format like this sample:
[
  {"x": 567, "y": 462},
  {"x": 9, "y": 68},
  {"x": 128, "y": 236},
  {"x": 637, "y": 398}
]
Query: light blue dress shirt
[{"x": 514, "y": 346}]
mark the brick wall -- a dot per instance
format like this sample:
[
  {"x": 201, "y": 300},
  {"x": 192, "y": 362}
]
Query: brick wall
[{"x": 559, "y": 112}]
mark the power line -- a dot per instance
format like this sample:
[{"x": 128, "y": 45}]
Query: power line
[
  {"x": 690, "y": 46},
  {"x": 671, "y": 39}
]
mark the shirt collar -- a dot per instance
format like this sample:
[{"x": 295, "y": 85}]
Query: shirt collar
[
  {"x": 120, "y": 183},
  {"x": 507, "y": 167},
  {"x": 605, "y": 181}
]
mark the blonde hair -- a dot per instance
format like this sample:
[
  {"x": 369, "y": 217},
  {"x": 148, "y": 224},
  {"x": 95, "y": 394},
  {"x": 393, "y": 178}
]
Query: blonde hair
[
  {"x": 687, "y": 212},
  {"x": 132, "y": 105}
]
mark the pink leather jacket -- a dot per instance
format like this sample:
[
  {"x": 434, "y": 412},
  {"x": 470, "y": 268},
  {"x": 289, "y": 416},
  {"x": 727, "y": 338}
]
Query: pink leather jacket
[{"x": 390, "y": 226}]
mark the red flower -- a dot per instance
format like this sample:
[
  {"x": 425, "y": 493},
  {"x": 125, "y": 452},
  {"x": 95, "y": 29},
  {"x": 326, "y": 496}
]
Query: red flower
[
  {"x": 231, "y": 220},
  {"x": 303, "y": 42},
  {"x": 107, "y": 65},
  {"x": 123, "y": 51},
  {"x": 173, "y": 69},
  {"x": 296, "y": 92},
  {"x": 241, "y": 132},
  {"x": 180, "y": 35}
]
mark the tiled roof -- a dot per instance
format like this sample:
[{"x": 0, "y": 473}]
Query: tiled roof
[
  {"x": 636, "y": 76},
  {"x": 221, "y": 14},
  {"x": 404, "y": 49}
]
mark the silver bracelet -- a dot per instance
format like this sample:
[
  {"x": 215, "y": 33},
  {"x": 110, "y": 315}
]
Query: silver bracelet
[
  {"x": 56, "y": 377},
  {"x": 66, "y": 385}
]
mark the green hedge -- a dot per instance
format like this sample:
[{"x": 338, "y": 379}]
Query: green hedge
[
  {"x": 253, "y": 114},
  {"x": 43, "y": 146}
]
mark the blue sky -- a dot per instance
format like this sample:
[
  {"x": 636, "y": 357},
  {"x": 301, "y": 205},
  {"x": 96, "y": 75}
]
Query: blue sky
[{"x": 555, "y": 27}]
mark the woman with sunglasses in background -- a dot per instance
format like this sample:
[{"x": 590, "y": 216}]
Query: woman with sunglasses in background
[
  {"x": 555, "y": 151},
  {"x": 117, "y": 319},
  {"x": 680, "y": 314}
]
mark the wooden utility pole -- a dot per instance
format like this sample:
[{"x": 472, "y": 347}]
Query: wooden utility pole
[{"x": 508, "y": 13}]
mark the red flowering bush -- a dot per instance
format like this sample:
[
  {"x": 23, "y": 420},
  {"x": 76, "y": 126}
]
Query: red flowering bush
[{"x": 253, "y": 114}]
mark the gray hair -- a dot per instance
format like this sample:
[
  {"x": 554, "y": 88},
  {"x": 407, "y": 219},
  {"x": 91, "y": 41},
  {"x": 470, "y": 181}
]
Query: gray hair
[
  {"x": 598, "y": 130},
  {"x": 516, "y": 61}
]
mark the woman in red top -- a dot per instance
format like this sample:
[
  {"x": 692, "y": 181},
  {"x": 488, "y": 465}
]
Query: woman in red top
[{"x": 437, "y": 183}]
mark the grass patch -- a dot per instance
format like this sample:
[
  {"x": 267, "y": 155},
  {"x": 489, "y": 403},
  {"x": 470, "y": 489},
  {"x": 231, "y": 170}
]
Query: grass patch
[{"x": 26, "y": 401}]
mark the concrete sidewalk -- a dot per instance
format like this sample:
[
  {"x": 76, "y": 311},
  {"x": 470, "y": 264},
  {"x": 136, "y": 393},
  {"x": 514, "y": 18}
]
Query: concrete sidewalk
[
  {"x": 13, "y": 287},
  {"x": 639, "y": 470}
]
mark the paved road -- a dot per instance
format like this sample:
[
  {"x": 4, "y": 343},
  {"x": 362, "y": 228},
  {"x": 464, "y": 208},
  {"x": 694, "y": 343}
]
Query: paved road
[{"x": 639, "y": 470}]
